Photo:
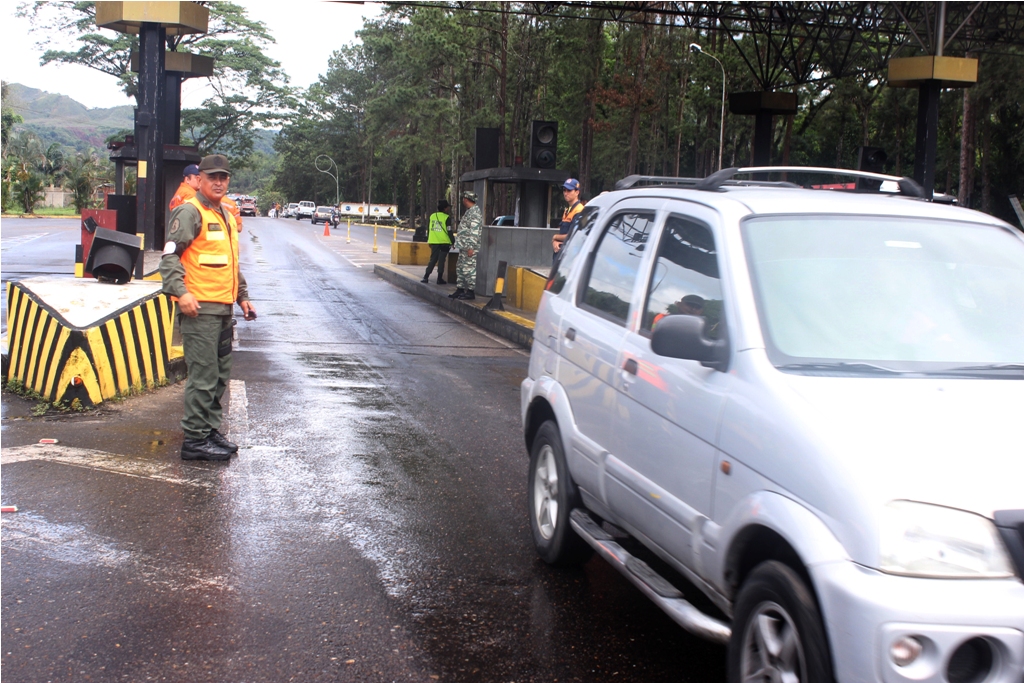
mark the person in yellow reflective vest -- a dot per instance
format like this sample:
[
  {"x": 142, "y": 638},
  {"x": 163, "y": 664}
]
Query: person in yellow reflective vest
[
  {"x": 200, "y": 270},
  {"x": 439, "y": 237}
]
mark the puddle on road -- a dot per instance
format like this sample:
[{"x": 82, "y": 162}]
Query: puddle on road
[{"x": 341, "y": 461}]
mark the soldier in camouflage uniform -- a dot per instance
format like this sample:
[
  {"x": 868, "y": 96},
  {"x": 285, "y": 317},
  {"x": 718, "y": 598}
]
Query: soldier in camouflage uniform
[{"x": 467, "y": 241}]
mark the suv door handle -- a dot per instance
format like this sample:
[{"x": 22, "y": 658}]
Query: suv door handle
[
  {"x": 570, "y": 334},
  {"x": 630, "y": 366}
]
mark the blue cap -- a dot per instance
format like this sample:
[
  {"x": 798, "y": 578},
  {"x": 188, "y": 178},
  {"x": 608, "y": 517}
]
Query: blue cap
[
  {"x": 571, "y": 184},
  {"x": 191, "y": 169}
]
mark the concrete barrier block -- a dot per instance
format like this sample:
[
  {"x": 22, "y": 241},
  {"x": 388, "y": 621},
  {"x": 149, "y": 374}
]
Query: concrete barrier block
[{"x": 87, "y": 339}]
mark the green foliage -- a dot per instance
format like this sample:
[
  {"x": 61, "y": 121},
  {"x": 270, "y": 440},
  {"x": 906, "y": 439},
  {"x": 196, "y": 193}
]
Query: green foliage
[
  {"x": 82, "y": 175},
  {"x": 397, "y": 112}
]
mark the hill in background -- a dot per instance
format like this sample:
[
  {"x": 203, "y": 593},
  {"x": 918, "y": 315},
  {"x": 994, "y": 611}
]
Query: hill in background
[{"x": 58, "y": 118}]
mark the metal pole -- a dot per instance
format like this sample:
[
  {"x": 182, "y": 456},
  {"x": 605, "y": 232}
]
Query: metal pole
[
  {"x": 149, "y": 139},
  {"x": 374, "y": 238},
  {"x": 337, "y": 193},
  {"x": 348, "y": 235},
  {"x": 694, "y": 47}
]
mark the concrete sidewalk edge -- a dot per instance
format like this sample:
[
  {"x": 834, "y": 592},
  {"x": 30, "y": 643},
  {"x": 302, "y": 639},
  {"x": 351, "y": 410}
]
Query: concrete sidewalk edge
[{"x": 492, "y": 322}]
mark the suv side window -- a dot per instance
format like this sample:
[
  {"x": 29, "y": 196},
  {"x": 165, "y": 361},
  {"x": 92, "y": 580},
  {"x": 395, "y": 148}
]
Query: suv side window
[
  {"x": 572, "y": 248},
  {"x": 615, "y": 264},
  {"x": 685, "y": 277}
]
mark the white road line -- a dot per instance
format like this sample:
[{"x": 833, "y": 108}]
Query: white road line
[
  {"x": 11, "y": 242},
  {"x": 238, "y": 413},
  {"x": 492, "y": 337},
  {"x": 75, "y": 544},
  {"x": 108, "y": 462}
]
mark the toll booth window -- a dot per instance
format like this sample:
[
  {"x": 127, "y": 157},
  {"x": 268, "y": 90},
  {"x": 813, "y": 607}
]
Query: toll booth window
[
  {"x": 685, "y": 279},
  {"x": 572, "y": 247},
  {"x": 616, "y": 262}
]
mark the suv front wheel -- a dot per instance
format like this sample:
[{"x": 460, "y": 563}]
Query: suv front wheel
[
  {"x": 552, "y": 496},
  {"x": 777, "y": 631}
]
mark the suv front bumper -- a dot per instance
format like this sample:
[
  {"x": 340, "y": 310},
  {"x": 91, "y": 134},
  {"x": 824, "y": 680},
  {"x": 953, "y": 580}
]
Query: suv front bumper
[{"x": 866, "y": 611}]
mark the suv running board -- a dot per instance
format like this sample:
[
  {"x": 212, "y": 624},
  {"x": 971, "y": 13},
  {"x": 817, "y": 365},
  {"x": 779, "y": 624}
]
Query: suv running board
[{"x": 653, "y": 585}]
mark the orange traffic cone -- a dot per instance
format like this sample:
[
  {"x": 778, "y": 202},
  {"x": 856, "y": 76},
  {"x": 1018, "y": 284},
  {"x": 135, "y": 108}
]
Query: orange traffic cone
[{"x": 327, "y": 228}]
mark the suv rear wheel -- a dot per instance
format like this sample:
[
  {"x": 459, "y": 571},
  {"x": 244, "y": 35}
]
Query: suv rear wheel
[
  {"x": 777, "y": 631},
  {"x": 552, "y": 496}
]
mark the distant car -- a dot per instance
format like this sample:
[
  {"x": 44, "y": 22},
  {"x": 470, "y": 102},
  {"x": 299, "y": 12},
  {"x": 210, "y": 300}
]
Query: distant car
[
  {"x": 324, "y": 214},
  {"x": 504, "y": 220},
  {"x": 290, "y": 211},
  {"x": 247, "y": 206},
  {"x": 305, "y": 210}
]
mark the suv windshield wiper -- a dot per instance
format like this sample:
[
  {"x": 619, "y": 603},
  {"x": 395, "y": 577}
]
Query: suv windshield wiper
[
  {"x": 841, "y": 366},
  {"x": 1001, "y": 368}
]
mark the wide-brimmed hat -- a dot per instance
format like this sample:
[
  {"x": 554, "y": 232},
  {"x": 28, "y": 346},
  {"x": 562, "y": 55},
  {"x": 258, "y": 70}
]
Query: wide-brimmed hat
[
  {"x": 215, "y": 163},
  {"x": 471, "y": 196}
]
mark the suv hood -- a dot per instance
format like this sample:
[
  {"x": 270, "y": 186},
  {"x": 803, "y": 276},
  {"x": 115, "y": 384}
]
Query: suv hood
[{"x": 952, "y": 442}]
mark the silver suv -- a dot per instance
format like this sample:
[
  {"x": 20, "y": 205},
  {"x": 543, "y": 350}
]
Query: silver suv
[{"x": 807, "y": 405}]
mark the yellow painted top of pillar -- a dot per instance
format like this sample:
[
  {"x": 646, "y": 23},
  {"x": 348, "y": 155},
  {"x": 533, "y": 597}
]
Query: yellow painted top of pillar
[
  {"x": 177, "y": 17},
  {"x": 952, "y": 72}
]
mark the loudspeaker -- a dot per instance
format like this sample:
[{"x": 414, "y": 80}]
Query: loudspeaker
[
  {"x": 871, "y": 159},
  {"x": 112, "y": 256},
  {"x": 486, "y": 148},
  {"x": 544, "y": 144}
]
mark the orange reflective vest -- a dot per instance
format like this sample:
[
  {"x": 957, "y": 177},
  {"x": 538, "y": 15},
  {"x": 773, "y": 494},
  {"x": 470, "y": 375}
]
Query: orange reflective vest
[
  {"x": 211, "y": 261},
  {"x": 233, "y": 208},
  {"x": 183, "y": 194}
]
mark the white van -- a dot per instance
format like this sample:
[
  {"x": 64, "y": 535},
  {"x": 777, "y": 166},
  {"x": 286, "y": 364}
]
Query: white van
[{"x": 305, "y": 210}]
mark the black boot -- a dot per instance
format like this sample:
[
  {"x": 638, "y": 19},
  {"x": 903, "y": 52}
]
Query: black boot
[
  {"x": 222, "y": 441},
  {"x": 426, "y": 278},
  {"x": 203, "y": 449},
  {"x": 440, "y": 281},
  {"x": 457, "y": 293},
  {"x": 467, "y": 295}
]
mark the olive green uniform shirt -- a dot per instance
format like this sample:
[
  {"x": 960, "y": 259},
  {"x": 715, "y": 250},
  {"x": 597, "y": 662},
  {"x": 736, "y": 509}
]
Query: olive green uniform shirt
[{"x": 185, "y": 226}]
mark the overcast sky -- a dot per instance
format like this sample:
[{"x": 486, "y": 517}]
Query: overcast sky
[{"x": 306, "y": 31}]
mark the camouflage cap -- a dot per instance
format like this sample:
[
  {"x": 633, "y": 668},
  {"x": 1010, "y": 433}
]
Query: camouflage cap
[
  {"x": 215, "y": 163},
  {"x": 471, "y": 196}
]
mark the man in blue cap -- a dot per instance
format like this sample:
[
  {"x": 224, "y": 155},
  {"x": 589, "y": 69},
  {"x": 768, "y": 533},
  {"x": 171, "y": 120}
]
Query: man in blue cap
[
  {"x": 188, "y": 187},
  {"x": 571, "y": 194}
]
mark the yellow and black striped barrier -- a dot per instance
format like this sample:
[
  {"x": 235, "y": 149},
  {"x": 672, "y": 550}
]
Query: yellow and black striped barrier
[{"x": 128, "y": 346}]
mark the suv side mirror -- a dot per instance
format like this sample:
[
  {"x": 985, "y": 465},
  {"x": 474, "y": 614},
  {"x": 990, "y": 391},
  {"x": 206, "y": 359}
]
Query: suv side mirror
[{"x": 682, "y": 336}]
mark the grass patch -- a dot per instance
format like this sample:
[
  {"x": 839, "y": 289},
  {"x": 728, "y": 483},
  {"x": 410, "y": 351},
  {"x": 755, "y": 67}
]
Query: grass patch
[{"x": 56, "y": 211}]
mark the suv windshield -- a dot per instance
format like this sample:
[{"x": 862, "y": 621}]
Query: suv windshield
[{"x": 875, "y": 294}]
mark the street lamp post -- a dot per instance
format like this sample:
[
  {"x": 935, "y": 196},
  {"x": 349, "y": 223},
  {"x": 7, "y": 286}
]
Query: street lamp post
[
  {"x": 316, "y": 165},
  {"x": 696, "y": 49}
]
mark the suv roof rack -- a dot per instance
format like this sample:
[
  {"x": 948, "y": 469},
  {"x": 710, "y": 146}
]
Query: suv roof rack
[
  {"x": 657, "y": 180},
  {"x": 907, "y": 186}
]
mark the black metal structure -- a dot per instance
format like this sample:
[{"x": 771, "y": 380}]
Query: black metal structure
[{"x": 791, "y": 43}]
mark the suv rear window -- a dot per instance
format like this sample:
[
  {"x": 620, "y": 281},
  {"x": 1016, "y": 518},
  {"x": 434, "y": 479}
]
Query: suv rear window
[
  {"x": 572, "y": 247},
  {"x": 615, "y": 264}
]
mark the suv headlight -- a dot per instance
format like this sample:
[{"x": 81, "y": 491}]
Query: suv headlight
[{"x": 917, "y": 539}]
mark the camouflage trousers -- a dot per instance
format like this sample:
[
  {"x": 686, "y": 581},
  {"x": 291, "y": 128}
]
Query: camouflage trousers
[{"x": 465, "y": 270}]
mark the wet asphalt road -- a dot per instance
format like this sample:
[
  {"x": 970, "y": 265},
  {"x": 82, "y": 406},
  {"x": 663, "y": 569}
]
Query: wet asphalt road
[{"x": 372, "y": 528}]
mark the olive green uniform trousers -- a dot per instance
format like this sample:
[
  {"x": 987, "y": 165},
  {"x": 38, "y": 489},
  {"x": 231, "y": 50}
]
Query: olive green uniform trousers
[{"x": 206, "y": 341}]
